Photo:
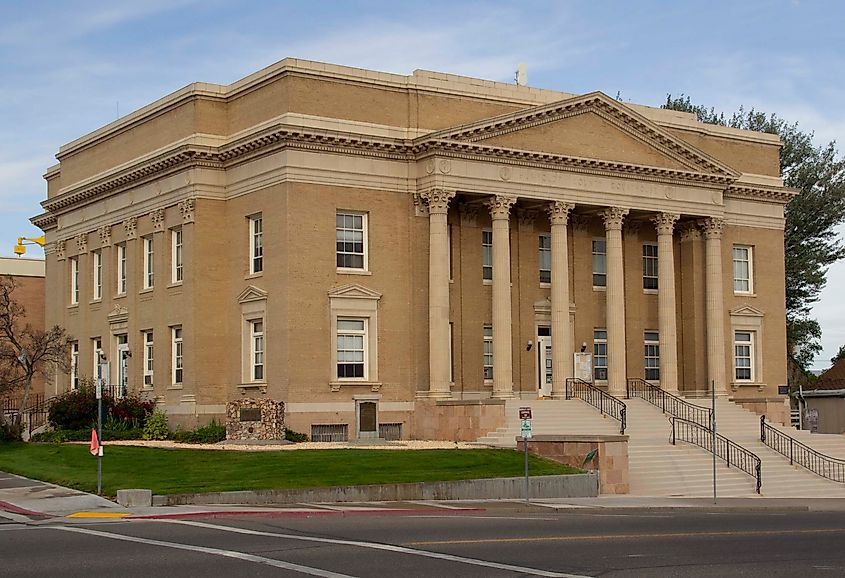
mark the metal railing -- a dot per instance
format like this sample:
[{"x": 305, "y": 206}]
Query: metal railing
[
  {"x": 802, "y": 454},
  {"x": 669, "y": 403},
  {"x": 599, "y": 399},
  {"x": 36, "y": 415},
  {"x": 731, "y": 452}
]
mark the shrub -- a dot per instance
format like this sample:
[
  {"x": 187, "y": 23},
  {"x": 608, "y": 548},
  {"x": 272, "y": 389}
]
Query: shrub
[
  {"x": 84, "y": 435},
  {"x": 208, "y": 434},
  {"x": 75, "y": 409},
  {"x": 156, "y": 428},
  {"x": 295, "y": 436},
  {"x": 131, "y": 410}
]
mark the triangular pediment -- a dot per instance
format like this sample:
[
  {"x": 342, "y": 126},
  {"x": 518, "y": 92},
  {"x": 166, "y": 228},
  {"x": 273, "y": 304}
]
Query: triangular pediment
[
  {"x": 354, "y": 291},
  {"x": 252, "y": 293},
  {"x": 592, "y": 126},
  {"x": 746, "y": 311}
]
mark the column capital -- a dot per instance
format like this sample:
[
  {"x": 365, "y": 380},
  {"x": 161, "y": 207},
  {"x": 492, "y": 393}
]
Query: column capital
[
  {"x": 665, "y": 222},
  {"x": 157, "y": 217},
  {"x": 130, "y": 227},
  {"x": 186, "y": 208},
  {"x": 82, "y": 242},
  {"x": 613, "y": 217},
  {"x": 500, "y": 206},
  {"x": 559, "y": 212},
  {"x": 60, "y": 250},
  {"x": 104, "y": 233},
  {"x": 438, "y": 200},
  {"x": 712, "y": 227}
]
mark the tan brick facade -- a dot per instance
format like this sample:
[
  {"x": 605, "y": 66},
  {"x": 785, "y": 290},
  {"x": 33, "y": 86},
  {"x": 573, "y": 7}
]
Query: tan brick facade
[{"x": 423, "y": 168}]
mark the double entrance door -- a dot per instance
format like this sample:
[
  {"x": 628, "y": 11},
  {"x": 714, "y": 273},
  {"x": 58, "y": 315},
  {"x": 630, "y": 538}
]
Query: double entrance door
[{"x": 544, "y": 361}]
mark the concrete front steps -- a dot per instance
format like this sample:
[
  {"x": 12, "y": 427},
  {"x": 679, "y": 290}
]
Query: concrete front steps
[
  {"x": 780, "y": 479},
  {"x": 550, "y": 417}
]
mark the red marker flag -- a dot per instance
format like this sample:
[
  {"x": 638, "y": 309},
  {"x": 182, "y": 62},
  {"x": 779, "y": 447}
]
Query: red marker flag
[{"x": 95, "y": 443}]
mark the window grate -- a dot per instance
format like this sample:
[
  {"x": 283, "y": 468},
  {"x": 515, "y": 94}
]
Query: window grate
[
  {"x": 390, "y": 431},
  {"x": 330, "y": 433}
]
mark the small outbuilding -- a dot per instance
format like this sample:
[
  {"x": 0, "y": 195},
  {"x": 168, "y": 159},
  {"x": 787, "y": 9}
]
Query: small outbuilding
[{"x": 823, "y": 402}]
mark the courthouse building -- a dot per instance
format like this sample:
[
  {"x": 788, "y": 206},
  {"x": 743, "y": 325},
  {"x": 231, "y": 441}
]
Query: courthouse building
[{"x": 399, "y": 253}]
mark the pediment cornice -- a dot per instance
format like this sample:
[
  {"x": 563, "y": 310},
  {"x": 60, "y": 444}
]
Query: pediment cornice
[
  {"x": 354, "y": 291},
  {"x": 252, "y": 293},
  {"x": 746, "y": 311}
]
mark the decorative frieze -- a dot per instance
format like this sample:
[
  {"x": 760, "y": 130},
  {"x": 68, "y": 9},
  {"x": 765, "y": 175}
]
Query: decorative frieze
[
  {"x": 438, "y": 200},
  {"x": 60, "y": 250},
  {"x": 104, "y": 233},
  {"x": 559, "y": 212},
  {"x": 130, "y": 227},
  {"x": 613, "y": 217},
  {"x": 82, "y": 243},
  {"x": 665, "y": 222},
  {"x": 157, "y": 217},
  {"x": 712, "y": 227},
  {"x": 186, "y": 208},
  {"x": 500, "y": 206}
]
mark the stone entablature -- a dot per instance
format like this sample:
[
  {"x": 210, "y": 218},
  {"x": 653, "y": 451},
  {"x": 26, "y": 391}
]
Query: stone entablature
[{"x": 255, "y": 419}]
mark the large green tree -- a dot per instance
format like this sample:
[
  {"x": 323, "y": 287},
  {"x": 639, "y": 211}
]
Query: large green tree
[{"x": 810, "y": 240}]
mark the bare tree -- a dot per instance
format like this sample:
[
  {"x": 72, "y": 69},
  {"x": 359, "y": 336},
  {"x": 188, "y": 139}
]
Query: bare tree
[{"x": 25, "y": 351}]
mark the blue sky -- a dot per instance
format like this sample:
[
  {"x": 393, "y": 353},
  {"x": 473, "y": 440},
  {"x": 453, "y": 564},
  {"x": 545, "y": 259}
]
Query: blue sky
[{"x": 69, "y": 67}]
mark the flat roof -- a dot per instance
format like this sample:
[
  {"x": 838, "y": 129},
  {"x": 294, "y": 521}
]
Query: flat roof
[{"x": 21, "y": 267}]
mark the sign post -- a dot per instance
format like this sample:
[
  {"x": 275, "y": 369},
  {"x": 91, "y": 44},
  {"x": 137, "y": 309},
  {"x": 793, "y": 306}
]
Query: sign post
[
  {"x": 104, "y": 371},
  {"x": 525, "y": 416}
]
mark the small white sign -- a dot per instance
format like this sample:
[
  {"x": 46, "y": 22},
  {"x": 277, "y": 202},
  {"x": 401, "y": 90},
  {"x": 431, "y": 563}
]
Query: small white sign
[
  {"x": 99, "y": 389},
  {"x": 526, "y": 429},
  {"x": 584, "y": 366}
]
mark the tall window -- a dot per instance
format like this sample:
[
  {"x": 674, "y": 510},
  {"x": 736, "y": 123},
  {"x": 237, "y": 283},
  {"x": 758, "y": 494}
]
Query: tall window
[
  {"x": 98, "y": 274},
  {"x": 97, "y": 343},
  {"x": 599, "y": 263},
  {"x": 742, "y": 269},
  {"x": 351, "y": 348},
  {"x": 744, "y": 355},
  {"x": 256, "y": 244},
  {"x": 649, "y": 266},
  {"x": 257, "y": 353},
  {"x": 148, "y": 262},
  {"x": 600, "y": 354},
  {"x": 176, "y": 255},
  {"x": 74, "y": 365},
  {"x": 488, "y": 352},
  {"x": 652, "y": 355},
  {"x": 74, "y": 280},
  {"x": 545, "y": 259},
  {"x": 121, "y": 269},
  {"x": 487, "y": 255},
  {"x": 351, "y": 229},
  {"x": 176, "y": 353},
  {"x": 148, "y": 358}
]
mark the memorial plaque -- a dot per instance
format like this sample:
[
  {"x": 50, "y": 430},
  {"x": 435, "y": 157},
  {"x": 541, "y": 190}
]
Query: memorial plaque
[{"x": 250, "y": 414}]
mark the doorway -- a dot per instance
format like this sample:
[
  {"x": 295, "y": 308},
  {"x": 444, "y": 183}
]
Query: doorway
[{"x": 544, "y": 361}]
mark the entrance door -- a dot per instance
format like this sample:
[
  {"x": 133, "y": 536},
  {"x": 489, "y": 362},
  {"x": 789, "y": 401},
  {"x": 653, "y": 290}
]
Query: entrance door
[
  {"x": 122, "y": 365},
  {"x": 544, "y": 362},
  {"x": 367, "y": 420}
]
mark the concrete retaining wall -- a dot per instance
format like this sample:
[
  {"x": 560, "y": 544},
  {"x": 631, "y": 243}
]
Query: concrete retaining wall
[{"x": 572, "y": 486}]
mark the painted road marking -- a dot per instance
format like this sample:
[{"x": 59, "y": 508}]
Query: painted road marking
[
  {"x": 440, "y": 516},
  {"x": 433, "y": 504},
  {"x": 99, "y": 515},
  {"x": 385, "y": 547},
  {"x": 626, "y": 537},
  {"x": 214, "y": 551}
]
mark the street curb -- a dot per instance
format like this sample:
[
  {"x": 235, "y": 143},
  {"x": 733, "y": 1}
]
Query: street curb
[
  {"x": 308, "y": 514},
  {"x": 13, "y": 509}
]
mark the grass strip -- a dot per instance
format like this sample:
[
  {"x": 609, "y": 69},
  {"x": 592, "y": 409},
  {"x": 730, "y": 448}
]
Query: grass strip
[{"x": 176, "y": 471}]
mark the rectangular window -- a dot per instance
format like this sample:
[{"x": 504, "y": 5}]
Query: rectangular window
[
  {"x": 74, "y": 365},
  {"x": 652, "y": 355},
  {"x": 257, "y": 353},
  {"x": 176, "y": 255},
  {"x": 98, "y": 274},
  {"x": 148, "y": 262},
  {"x": 256, "y": 244},
  {"x": 351, "y": 230},
  {"x": 99, "y": 357},
  {"x": 599, "y": 263},
  {"x": 148, "y": 358},
  {"x": 742, "y": 269},
  {"x": 177, "y": 354},
  {"x": 487, "y": 255},
  {"x": 121, "y": 269},
  {"x": 351, "y": 348},
  {"x": 600, "y": 355},
  {"x": 74, "y": 280},
  {"x": 488, "y": 352},
  {"x": 545, "y": 259},
  {"x": 744, "y": 355},
  {"x": 649, "y": 266}
]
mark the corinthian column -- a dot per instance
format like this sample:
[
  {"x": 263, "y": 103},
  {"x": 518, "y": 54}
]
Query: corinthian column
[
  {"x": 616, "y": 363},
  {"x": 561, "y": 333},
  {"x": 438, "y": 291},
  {"x": 500, "y": 207},
  {"x": 666, "y": 314},
  {"x": 714, "y": 304}
]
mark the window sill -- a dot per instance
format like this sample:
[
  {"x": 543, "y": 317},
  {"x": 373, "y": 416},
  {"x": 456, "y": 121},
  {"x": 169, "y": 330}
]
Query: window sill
[
  {"x": 261, "y": 386},
  {"x": 373, "y": 385},
  {"x": 744, "y": 294},
  {"x": 95, "y": 301},
  {"x": 544, "y": 285},
  {"x": 599, "y": 288},
  {"x": 175, "y": 386},
  {"x": 119, "y": 296},
  {"x": 342, "y": 271},
  {"x": 73, "y": 306},
  {"x": 486, "y": 281},
  {"x": 255, "y": 275},
  {"x": 146, "y": 290},
  {"x": 737, "y": 384},
  {"x": 650, "y": 291},
  {"x": 175, "y": 284}
]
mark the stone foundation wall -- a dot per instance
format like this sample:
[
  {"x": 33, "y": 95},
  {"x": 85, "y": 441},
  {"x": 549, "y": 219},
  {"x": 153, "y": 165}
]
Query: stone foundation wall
[
  {"x": 611, "y": 461},
  {"x": 255, "y": 419},
  {"x": 776, "y": 409},
  {"x": 457, "y": 420}
]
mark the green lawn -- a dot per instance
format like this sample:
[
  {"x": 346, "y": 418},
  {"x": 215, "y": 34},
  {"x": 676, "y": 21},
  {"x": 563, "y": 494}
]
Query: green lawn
[{"x": 172, "y": 471}]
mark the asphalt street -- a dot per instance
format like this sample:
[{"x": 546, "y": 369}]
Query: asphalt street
[{"x": 489, "y": 544}]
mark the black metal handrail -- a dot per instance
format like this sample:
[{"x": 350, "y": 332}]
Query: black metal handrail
[
  {"x": 599, "y": 399},
  {"x": 802, "y": 454},
  {"x": 731, "y": 452},
  {"x": 669, "y": 403},
  {"x": 36, "y": 415}
]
